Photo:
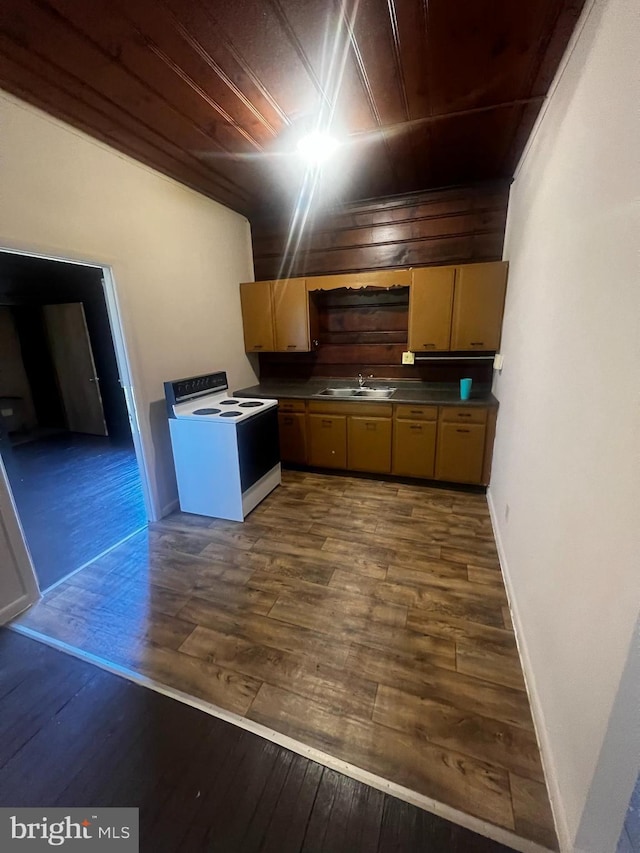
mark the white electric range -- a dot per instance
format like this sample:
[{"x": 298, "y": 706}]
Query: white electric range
[{"x": 226, "y": 451}]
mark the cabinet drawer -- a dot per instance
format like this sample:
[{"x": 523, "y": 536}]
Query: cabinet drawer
[
  {"x": 369, "y": 444},
  {"x": 460, "y": 452},
  {"x": 414, "y": 448},
  {"x": 327, "y": 436},
  {"x": 416, "y": 413},
  {"x": 463, "y": 414},
  {"x": 291, "y": 405},
  {"x": 359, "y": 408}
]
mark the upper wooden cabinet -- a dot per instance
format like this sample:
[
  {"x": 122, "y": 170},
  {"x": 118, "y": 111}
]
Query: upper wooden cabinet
[
  {"x": 257, "y": 316},
  {"x": 275, "y": 316},
  {"x": 291, "y": 315},
  {"x": 457, "y": 308},
  {"x": 430, "y": 306},
  {"x": 453, "y": 308},
  {"x": 478, "y": 305}
]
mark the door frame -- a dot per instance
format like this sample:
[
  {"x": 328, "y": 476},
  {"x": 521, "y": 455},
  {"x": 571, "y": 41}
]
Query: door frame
[
  {"x": 22, "y": 565},
  {"x": 122, "y": 359}
]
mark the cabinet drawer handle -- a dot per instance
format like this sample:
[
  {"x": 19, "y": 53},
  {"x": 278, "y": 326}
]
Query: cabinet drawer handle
[
  {"x": 416, "y": 427},
  {"x": 428, "y": 345},
  {"x": 326, "y": 423},
  {"x": 464, "y": 414},
  {"x": 258, "y": 346},
  {"x": 371, "y": 426},
  {"x": 416, "y": 411},
  {"x": 463, "y": 430},
  {"x": 477, "y": 343},
  {"x": 292, "y": 346}
]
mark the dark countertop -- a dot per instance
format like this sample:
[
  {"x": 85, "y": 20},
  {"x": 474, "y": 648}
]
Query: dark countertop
[{"x": 407, "y": 391}]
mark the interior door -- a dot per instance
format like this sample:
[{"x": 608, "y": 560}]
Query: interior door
[
  {"x": 75, "y": 367},
  {"x": 18, "y": 584}
]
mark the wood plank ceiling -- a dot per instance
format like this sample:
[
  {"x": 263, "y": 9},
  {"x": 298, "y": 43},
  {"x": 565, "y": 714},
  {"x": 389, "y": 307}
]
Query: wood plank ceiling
[{"x": 425, "y": 93}]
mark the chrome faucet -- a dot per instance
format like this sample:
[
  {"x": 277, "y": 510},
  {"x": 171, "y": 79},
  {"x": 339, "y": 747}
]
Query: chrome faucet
[{"x": 362, "y": 380}]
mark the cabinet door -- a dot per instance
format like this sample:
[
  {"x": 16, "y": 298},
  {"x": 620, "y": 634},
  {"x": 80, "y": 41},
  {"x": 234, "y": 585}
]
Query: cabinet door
[
  {"x": 327, "y": 436},
  {"x": 291, "y": 315},
  {"x": 430, "y": 304},
  {"x": 460, "y": 452},
  {"x": 293, "y": 437},
  {"x": 369, "y": 444},
  {"x": 478, "y": 305},
  {"x": 257, "y": 316},
  {"x": 414, "y": 448}
]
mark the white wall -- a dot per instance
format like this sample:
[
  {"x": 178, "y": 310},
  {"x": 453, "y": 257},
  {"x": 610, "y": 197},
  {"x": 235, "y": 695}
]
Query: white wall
[
  {"x": 567, "y": 452},
  {"x": 177, "y": 257}
]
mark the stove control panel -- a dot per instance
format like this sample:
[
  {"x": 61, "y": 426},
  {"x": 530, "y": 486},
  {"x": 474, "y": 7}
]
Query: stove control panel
[{"x": 194, "y": 386}]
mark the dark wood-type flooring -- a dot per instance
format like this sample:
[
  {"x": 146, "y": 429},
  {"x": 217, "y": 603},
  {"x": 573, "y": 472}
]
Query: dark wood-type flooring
[
  {"x": 365, "y": 618},
  {"x": 75, "y": 735},
  {"x": 77, "y": 495}
]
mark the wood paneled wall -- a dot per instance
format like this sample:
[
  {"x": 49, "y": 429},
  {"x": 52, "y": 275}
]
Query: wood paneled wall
[
  {"x": 365, "y": 333},
  {"x": 457, "y": 225}
]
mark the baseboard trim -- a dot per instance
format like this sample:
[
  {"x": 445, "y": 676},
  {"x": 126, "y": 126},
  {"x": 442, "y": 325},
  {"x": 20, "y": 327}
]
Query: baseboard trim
[
  {"x": 481, "y": 827},
  {"x": 548, "y": 764},
  {"x": 169, "y": 508}
]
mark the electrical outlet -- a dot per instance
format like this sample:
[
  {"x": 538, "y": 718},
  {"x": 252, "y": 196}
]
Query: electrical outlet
[
  {"x": 408, "y": 358},
  {"x": 498, "y": 361}
]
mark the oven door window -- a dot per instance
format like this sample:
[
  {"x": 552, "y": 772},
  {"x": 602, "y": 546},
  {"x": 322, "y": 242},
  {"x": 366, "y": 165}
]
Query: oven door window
[{"x": 258, "y": 446}]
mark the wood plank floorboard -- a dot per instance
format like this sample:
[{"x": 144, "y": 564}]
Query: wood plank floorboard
[
  {"x": 367, "y": 619},
  {"x": 55, "y": 479},
  {"x": 202, "y": 785}
]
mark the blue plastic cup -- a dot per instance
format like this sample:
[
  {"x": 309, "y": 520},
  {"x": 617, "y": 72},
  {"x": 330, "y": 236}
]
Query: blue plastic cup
[{"x": 465, "y": 388}]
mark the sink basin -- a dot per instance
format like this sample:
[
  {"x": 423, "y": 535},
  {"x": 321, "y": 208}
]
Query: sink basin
[
  {"x": 375, "y": 392},
  {"x": 337, "y": 392},
  {"x": 380, "y": 393}
]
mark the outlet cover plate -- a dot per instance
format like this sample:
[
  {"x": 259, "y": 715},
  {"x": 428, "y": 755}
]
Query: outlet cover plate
[{"x": 408, "y": 358}]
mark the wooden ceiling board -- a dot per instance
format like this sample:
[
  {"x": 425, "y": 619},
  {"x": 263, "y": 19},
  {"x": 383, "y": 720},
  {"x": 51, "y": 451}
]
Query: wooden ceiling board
[
  {"x": 482, "y": 53},
  {"x": 424, "y": 93},
  {"x": 321, "y": 31}
]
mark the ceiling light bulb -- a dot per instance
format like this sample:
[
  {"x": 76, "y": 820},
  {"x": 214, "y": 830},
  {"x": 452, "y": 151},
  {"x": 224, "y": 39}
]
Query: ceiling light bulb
[{"x": 316, "y": 148}]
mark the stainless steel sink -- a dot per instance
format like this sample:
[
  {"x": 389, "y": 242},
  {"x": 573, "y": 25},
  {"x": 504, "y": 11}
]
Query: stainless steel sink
[
  {"x": 380, "y": 393},
  {"x": 338, "y": 392}
]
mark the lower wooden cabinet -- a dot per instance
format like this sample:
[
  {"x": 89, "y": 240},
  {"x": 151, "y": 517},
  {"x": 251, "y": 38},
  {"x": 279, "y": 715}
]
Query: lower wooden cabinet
[
  {"x": 293, "y": 437},
  {"x": 460, "y": 453},
  {"x": 327, "y": 436},
  {"x": 448, "y": 443},
  {"x": 369, "y": 444},
  {"x": 414, "y": 448}
]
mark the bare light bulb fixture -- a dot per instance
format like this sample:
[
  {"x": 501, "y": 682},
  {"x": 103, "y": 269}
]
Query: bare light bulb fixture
[{"x": 316, "y": 148}]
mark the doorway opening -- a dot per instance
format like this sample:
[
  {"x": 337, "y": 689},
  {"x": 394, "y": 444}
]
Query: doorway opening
[{"x": 68, "y": 438}]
